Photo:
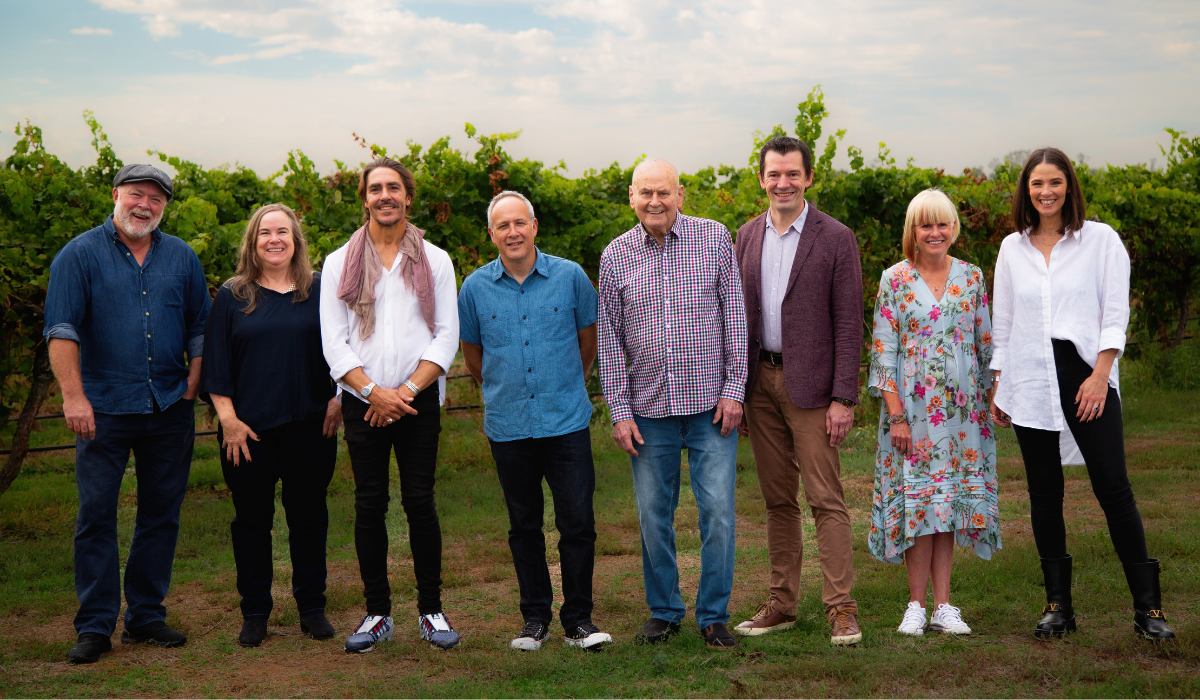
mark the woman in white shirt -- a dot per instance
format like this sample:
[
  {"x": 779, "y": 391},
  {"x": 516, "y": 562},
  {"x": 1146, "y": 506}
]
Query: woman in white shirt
[{"x": 1061, "y": 305}]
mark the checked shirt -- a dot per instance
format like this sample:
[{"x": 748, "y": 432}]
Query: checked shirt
[{"x": 672, "y": 321}]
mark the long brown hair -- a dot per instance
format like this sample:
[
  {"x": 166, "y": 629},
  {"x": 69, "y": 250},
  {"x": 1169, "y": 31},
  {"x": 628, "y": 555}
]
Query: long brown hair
[
  {"x": 244, "y": 283},
  {"x": 1074, "y": 210}
]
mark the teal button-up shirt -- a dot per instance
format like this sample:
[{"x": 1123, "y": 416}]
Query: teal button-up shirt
[{"x": 533, "y": 384}]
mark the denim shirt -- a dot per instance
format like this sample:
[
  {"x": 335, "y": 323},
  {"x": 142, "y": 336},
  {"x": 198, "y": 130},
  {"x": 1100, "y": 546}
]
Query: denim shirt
[
  {"x": 133, "y": 323},
  {"x": 533, "y": 383}
]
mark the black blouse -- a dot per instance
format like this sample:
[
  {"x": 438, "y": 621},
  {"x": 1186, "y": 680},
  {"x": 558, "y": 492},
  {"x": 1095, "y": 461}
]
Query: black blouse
[{"x": 269, "y": 363}]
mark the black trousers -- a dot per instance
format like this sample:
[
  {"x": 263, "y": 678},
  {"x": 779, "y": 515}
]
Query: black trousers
[
  {"x": 1103, "y": 447},
  {"x": 302, "y": 458},
  {"x": 415, "y": 442},
  {"x": 565, "y": 462}
]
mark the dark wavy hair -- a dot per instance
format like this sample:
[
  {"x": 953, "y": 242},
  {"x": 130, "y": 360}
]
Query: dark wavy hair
[
  {"x": 1074, "y": 212},
  {"x": 406, "y": 179}
]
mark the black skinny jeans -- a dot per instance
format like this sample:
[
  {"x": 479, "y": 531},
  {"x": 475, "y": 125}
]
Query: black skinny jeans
[
  {"x": 302, "y": 458},
  {"x": 1103, "y": 447},
  {"x": 566, "y": 464},
  {"x": 415, "y": 441}
]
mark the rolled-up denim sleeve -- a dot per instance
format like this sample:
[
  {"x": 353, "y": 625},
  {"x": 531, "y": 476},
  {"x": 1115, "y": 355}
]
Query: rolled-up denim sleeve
[
  {"x": 198, "y": 308},
  {"x": 68, "y": 295}
]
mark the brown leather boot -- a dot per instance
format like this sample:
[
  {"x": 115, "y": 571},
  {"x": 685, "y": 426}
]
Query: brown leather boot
[{"x": 767, "y": 618}]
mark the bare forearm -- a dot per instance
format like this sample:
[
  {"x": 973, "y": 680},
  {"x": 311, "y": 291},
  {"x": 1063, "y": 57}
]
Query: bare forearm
[
  {"x": 224, "y": 408},
  {"x": 426, "y": 374},
  {"x": 891, "y": 400},
  {"x": 1105, "y": 362},
  {"x": 588, "y": 345},
  {"x": 473, "y": 359},
  {"x": 64, "y": 360}
]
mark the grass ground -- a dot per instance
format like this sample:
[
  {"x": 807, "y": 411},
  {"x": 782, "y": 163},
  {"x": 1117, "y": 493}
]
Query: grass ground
[{"x": 1000, "y": 599}]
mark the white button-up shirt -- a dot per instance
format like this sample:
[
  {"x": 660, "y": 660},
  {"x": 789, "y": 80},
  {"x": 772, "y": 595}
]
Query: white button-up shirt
[
  {"x": 401, "y": 338},
  {"x": 778, "y": 253},
  {"x": 1082, "y": 297}
]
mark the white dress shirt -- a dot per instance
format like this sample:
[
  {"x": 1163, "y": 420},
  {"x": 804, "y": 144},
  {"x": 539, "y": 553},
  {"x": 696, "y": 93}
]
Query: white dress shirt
[
  {"x": 1081, "y": 297},
  {"x": 778, "y": 253},
  {"x": 401, "y": 338}
]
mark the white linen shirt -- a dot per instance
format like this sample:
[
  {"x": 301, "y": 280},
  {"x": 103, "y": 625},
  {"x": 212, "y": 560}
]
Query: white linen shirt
[
  {"x": 778, "y": 254},
  {"x": 401, "y": 338},
  {"x": 1082, "y": 297}
]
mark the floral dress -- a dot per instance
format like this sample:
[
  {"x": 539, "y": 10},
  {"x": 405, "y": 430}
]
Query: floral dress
[{"x": 934, "y": 355}]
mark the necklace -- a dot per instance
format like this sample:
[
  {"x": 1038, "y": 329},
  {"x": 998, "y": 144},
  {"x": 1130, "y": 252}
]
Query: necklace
[{"x": 291, "y": 287}]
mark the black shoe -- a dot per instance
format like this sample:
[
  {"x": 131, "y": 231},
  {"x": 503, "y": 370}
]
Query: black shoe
[
  {"x": 656, "y": 631},
  {"x": 1148, "y": 618},
  {"x": 254, "y": 631},
  {"x": 316, "y": 625},
  {"x": 89, "y": 647},
  {"x": 718, "y": 636},
  {"x": 1058, "y": 617},
  {"x": 531, "y": 636},
  {"x": 156, "y": 633},
  {"x": 587, "y": 636}
]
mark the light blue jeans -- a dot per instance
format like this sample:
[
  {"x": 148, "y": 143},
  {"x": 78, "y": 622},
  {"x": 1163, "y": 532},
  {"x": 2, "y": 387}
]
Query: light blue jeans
[{"x": 712, "y": 463}]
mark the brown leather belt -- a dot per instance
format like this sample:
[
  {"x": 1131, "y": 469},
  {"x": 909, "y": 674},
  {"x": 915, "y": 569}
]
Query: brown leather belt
[{"x": 774, "y": 358}]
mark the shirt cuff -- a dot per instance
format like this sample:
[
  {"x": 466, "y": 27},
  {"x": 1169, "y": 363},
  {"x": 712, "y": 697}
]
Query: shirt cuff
[
  {"x": 997, "y": 362},
  {"x": 734, "y": 392},
  {"x": 195, "y": 347},
  {"x": 439, "y": 357},
  {"x": 64, "y": 331},
  {"x": 342, "y": 365},
  {"x": 1111, "y": 339},
  {"x": 620, "y": 412}
]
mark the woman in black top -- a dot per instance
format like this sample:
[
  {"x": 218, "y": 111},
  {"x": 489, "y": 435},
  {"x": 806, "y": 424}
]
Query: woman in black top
[{"x": 266, "y": 376}]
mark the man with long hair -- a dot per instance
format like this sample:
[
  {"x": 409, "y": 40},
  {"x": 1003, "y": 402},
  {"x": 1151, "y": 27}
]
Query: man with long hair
[{"x": 389, "y": 328}]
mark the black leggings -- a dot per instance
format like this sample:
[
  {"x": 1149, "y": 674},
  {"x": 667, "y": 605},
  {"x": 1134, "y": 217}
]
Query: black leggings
[{"x": 1103, "y": 447}]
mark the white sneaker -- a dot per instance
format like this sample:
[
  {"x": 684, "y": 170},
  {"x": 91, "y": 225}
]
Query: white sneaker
[
  {"x": 588, "y": 636},
  {"x": 948, "y": 619},
  {"x": 531, "y": 636},
  {"x": 914, "y": 620},
  {"x": 436, "y": 629},
  {"x": 372, "y": 629}
]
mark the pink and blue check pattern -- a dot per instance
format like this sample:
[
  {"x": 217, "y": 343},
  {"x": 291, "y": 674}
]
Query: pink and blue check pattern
[{"x": 672, "y": 321}]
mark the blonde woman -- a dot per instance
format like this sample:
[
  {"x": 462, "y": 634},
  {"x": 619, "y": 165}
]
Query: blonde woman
[
  {"x": 266, "y": 375},
  {"x": 935, "y": 469}
]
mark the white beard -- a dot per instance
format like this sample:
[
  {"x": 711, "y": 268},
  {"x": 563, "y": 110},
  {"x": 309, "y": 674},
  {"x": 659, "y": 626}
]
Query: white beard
[{"x": 132, "y": 227}]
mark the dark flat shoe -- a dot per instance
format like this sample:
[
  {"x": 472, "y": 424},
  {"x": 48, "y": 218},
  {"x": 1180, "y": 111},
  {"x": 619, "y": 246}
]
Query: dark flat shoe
[
  {"x": 656, "y": 631},
  {"x": 254, "y": 631},
  {"x": 718, "y": 636},
  {"x": 316, "y": 625},
  {"x": 89, "y": 647},
  {"x": 156, "y": 633}
]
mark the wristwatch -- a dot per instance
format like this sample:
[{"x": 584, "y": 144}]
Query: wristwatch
[
  {"x": 365, "y": 392},
  {"x": 845, "y": 402}
]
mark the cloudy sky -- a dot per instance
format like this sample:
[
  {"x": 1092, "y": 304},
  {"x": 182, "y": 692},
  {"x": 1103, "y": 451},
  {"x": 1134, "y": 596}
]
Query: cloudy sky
[{"x": 949, "y": 84}]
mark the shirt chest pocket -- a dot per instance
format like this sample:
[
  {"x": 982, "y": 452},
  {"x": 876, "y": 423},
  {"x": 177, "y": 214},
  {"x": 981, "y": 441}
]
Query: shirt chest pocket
[
  {"x": 167, "y": 290},
  {"x": 494, "y": 330},
  {"x": 557, "y": 321}
]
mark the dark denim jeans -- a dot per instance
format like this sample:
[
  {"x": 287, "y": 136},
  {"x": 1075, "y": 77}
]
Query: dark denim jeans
[
  {"x": 712, "y": 469},
  {"x": 303, "y": 459},
  {"x": 565, "y": 461},
  {"x": 161, "y": 443}
]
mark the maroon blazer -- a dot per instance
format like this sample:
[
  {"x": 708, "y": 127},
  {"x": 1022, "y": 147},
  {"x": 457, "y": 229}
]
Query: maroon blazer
[{"x": 822, "y": 319}]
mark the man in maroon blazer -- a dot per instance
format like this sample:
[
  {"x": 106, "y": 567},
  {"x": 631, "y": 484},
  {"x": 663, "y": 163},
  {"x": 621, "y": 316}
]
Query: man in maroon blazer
[{"x": 802, "y": 283}]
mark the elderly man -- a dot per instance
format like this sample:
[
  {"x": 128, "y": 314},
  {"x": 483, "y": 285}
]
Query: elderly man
[
  {"x": 389, "y": 329},
  {"x": 803, "y": 286},
  {"x": 673, "y": 366},
  {"x": 125, "y": 313},
  {"x": 528, "y": 328}
]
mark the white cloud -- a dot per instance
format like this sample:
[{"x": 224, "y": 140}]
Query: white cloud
[{"x": 92, "y": 30}]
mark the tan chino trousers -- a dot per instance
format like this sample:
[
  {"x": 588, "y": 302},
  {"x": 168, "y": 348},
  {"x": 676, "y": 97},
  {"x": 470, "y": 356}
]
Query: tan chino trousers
[{"x": 791, "y": 446}]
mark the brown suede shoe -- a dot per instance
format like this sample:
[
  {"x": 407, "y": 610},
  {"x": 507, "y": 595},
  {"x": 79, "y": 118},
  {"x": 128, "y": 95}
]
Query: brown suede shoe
[
  {"x": 766, "y": 619},
  {"x": 845, "y": 628}
]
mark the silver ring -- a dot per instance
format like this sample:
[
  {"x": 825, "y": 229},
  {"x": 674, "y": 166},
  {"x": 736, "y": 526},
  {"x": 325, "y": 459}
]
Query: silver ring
[{"x": 390, "y": 420}]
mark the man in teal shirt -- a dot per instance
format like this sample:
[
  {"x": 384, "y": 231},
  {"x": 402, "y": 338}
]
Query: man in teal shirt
[{"x": 528, "y": 331}]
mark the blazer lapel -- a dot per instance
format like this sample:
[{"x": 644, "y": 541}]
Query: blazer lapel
[{"x": 808, "y": 237}]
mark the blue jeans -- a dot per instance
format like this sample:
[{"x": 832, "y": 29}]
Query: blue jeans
[
  {"x": 161, "y": 443},
  {"x": 712, "y": 464}
]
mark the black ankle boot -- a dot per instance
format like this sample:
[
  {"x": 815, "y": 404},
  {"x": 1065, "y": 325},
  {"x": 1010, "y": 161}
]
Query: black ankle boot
[
  {"x": 1058, "y": 616},
  {"x": 1148, "y": 618},
  {"x": 254, "y": 631}
]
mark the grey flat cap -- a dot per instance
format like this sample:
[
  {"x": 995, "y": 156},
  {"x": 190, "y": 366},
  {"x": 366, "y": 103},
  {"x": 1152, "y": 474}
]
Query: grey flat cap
[{"x": 145, "y": 173}]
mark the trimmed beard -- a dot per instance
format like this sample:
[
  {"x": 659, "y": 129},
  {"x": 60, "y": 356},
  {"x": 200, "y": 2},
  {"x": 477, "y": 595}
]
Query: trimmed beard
[{"x": 130, "y": 226}]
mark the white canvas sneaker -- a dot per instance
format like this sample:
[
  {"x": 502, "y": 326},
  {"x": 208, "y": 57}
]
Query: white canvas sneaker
[
  {"x": 914, "y": 620},
  {"x": 372, "y": 629},
  {"x": 948, "y": 619}
]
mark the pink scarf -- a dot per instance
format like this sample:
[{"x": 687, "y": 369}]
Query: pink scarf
[{"x": 363, "y": 267}]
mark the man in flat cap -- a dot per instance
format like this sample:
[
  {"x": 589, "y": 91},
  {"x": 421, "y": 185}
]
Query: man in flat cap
[{"x": 125, "y": 313}]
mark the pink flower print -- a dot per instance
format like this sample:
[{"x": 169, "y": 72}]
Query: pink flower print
[
  {"x": 895, "y": 283},
  {"x": 930, "y": 381},
  {"x": 935, "y": 313},
  {"x": 886, "y": 312},
  {"x": 985, "y": 431},
  {"x": 920, "y": 390},
  {"x": 937, "y": 417},
  {"x": 960, "y": 399}
]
